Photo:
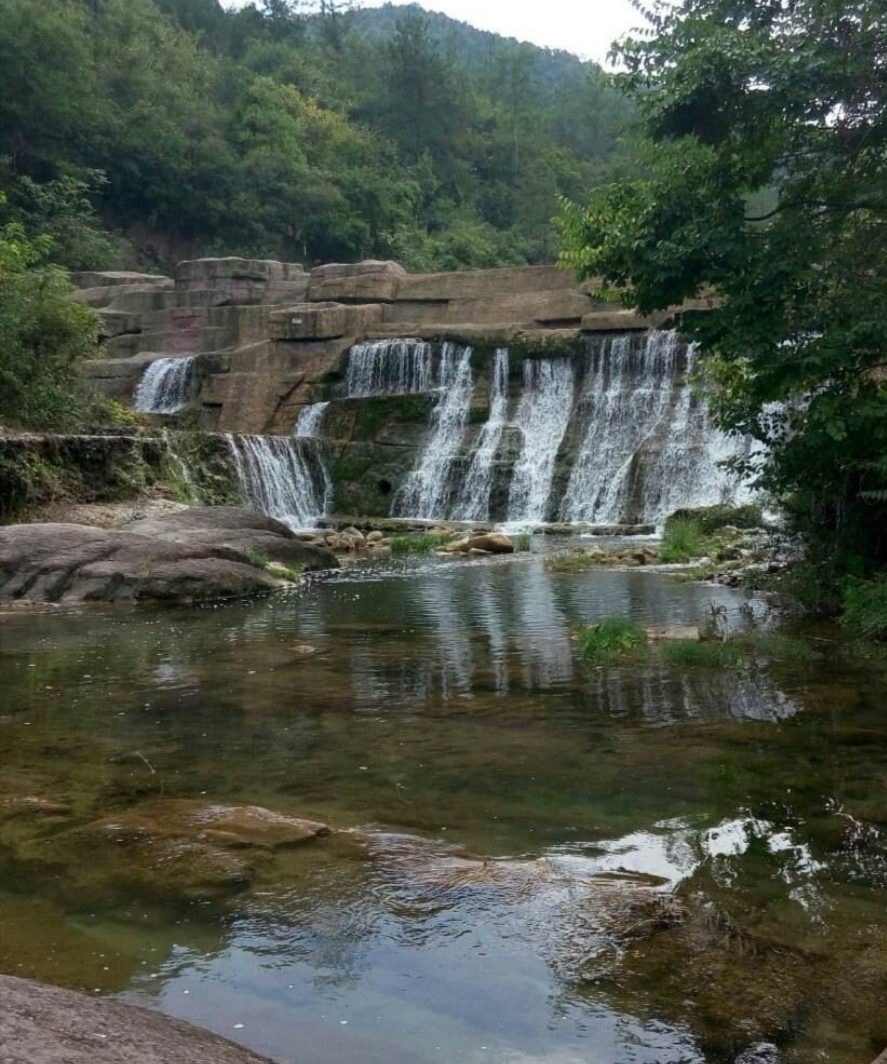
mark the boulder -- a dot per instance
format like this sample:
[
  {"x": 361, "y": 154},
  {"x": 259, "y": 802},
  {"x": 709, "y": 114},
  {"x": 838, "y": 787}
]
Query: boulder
[
  {"x": 246, "y": 531},
  {"x": 199, "y": 555},
  {"x": 118, "y": 278},
  {"x": 488, "y": 543},
  {"x": 362, "y": 282},
  {"x": 46, "y": 1025},
  {"x": 230, "y": 826}
]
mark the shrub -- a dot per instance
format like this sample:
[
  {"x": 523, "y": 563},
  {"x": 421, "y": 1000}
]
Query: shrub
[
  {"x": 865, "y": 607},
  {"x": 683, "y": 540},
  {"x": 612, "y": 641},
  {"x": 693, "y": 654},
  {"x": 43, "y": 335},
  {"x": 712, "y": 518}
]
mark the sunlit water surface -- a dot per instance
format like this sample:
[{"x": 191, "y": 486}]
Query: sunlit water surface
[{"x": 510, "y": 818}]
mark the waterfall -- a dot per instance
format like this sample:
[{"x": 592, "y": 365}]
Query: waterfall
[
  {"x": 281, "y": 476},
  {"x": 309, "y": 421},
  {"x": 165, "y": 387},
  {"x": 543, "y": 416},
  {"x": 688, "y": 469},
  {"x": 427, "y": 490},
  {"x": 628, "y": 395},
  {"x": 474, "y": 501},
  {"x": 648, "y": 446},
  {"x": 389, "y": 367}
]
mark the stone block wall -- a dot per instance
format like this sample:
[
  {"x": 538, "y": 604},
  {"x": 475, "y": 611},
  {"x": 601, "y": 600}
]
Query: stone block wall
[{"x": 285, "y": 332}]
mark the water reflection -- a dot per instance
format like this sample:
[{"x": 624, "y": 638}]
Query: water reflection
[{"x": 505, "y": 808}]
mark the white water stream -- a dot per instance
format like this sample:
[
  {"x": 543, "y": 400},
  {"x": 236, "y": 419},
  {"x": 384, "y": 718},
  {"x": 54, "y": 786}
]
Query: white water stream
[
  {"x": 474, "y": 500},
  {"x": 310, "y": 421},
  {"x": 165, "y": 386},
  {"x": 543, "y": 415},
  {"x": 281, "y": 476},
  {"x": 390, "y": 367},
  {"x": 426, "y": 492}
]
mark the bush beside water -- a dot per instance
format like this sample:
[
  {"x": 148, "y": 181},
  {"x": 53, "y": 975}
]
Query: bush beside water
[{"x": 615, "y": 641}]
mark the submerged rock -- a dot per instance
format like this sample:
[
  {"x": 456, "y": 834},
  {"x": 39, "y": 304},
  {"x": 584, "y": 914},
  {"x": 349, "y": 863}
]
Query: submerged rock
[
  {"x": 196, "y": 555},
  {"x": 181, "y": 847},
  {"x": 232, "y": 826}
]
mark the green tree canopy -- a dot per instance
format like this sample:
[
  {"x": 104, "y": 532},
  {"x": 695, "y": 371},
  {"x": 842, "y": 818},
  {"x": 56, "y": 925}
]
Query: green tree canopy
[
  {"x": 43, "y": 335},
  {"x": 766, "y": 189},
  {"x": 297, "y": 129}
]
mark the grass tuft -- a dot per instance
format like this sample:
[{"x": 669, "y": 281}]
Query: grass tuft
[
  {"x": 611, "y": 642},
  {"x": 682, "y": 541},
  {"x": 692, "y": 654},
  {"x": 421, "y": 542}
]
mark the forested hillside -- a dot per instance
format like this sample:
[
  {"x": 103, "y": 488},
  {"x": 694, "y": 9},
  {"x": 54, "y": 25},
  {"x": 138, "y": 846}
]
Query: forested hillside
[{"x": 139, "y": 131}]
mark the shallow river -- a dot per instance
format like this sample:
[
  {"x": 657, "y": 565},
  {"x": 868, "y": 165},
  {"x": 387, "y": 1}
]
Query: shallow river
[{"x": 538, "y": 861}]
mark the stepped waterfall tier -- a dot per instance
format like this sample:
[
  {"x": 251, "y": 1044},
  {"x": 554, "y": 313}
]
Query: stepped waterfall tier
[
  {"x": 612, "y": 430},
  {"x": 648, "y": 446},
  {"x": 282, "y": 476},
  {"x": 165, "y": 386},
  {"x": 310, "y": 421},
  {"x": 473, "y": 503},
  {"x": 390, "y": 367},
  {"x": 427, "y": 492},
  {"x": 543, "y": 415}
]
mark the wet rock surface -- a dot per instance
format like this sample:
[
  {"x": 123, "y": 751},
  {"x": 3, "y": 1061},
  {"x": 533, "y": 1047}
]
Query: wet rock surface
[
  {"x": 196, "y": 555},
  {"x": 169, "y": 849},
  {"x": 45, "y": 1025},
  {"x": 487, "y": 543}
]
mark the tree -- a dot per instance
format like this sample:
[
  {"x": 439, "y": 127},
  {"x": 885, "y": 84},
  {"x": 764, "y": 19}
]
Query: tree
[
  {"x": 766, "y": 189},
  {"x": 43, "y": 335}
]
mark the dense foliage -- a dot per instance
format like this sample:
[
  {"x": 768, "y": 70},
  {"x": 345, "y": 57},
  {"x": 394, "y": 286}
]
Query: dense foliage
[
  {"x": 766, "y": 190},
  {"x": 300, "y": 130},
  {"x": 43, "y": 335}
]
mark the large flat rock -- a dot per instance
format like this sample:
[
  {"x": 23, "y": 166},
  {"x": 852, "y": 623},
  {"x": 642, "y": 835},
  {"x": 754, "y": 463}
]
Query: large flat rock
[
  {"x": 45, "y": 1025},
  {"x": 200, "y": 555}
]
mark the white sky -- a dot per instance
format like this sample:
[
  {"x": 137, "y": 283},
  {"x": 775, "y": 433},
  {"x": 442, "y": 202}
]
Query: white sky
[{"x": 585, "y": 27}]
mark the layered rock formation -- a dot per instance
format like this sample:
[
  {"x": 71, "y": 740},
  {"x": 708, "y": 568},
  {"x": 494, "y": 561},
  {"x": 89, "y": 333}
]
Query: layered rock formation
[
  {"x": 269, "y": 337},
  {"x": 196, "y": 555},
  {"x": 554, "y": 408}
]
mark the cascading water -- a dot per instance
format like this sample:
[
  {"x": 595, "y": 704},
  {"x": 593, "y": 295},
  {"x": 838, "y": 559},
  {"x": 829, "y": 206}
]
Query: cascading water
[
  {"x": 474, "y": 501},
  {"x": 628, "y": 395},
  {"x": 165, "y": 386},
  {"x": 648, "y": 446},
  {"x": 634, "y": 444},
  {"x": 309, "y": 421},
  {"x": 427, "y": 490},
  {"x": 688, "y": 470},
  {"x": 281, "y": 476},
  {"x": 390, "y": 367},
  {"x": 543, "y": 416}
]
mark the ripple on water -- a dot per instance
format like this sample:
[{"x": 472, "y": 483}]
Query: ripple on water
[{"x": 555, "y": 863}]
